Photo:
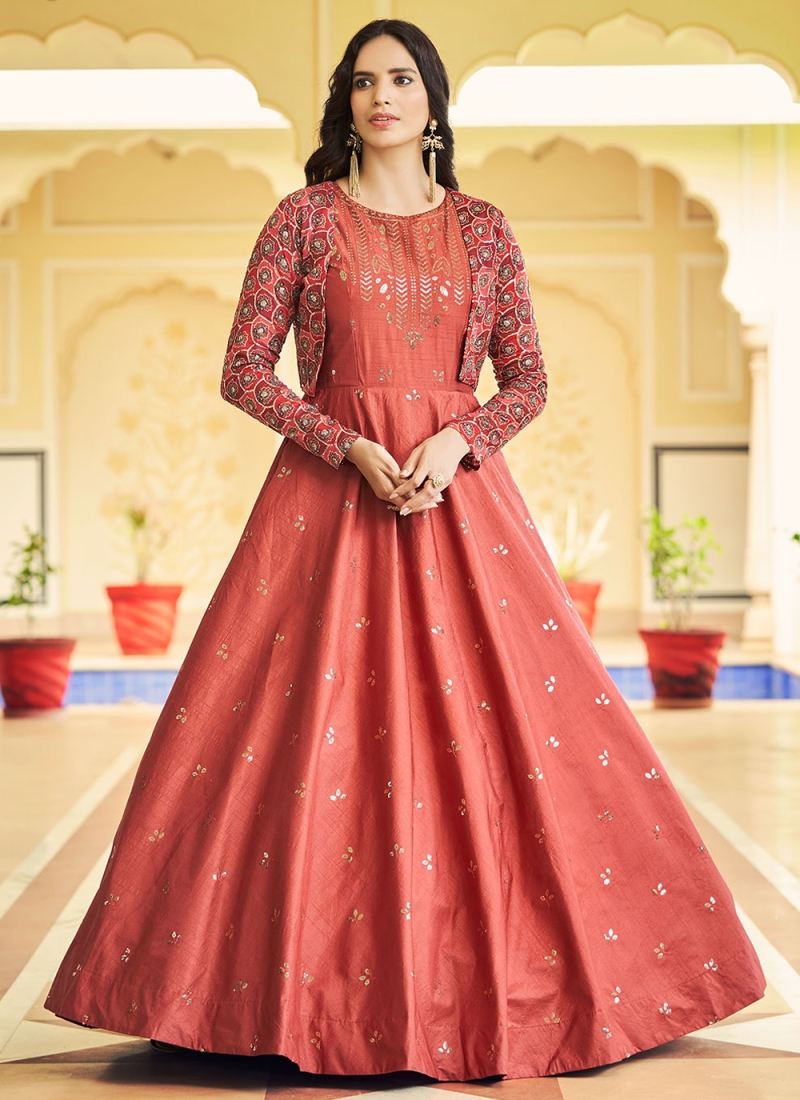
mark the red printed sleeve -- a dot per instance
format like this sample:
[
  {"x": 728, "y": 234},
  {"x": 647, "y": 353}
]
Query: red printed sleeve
[
  {"x": 516, "y": 358},
  {"x": 266, "y": 309}
]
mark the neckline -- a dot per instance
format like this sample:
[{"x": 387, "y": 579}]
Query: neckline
[{"x": 385, "y": 213}]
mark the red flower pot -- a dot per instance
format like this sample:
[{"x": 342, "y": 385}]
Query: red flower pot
[
  {"x": 584, "y": 596},
  {"x": 683, "y": 665},
  {"x": 34, "y": 674},
  {"x": 144, "y": 616}
]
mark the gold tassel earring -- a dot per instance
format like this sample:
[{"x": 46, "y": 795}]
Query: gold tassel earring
[
  {"x": 432, "y": 141},
  {"x": 354, "y": 142}
]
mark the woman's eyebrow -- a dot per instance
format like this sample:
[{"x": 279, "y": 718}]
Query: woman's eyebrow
[{"x": 362, "y": 73}]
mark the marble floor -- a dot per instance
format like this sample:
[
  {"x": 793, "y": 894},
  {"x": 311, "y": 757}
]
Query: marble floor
[{"x": 63, "y": 783}]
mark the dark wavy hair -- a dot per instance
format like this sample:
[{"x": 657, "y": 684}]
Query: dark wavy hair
[{"x": 331, "y": 159}]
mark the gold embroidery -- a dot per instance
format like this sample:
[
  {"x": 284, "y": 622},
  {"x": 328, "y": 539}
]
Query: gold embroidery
[{"x": 413, "y": 268}]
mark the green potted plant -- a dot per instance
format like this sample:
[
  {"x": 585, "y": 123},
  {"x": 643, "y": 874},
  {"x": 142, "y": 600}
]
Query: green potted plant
[
  {"x": 33, "y": 671},
  {"x": 683, "y": 661},
  {"x": 143, "y": 613},
  {"x": 572, "y": 550}
]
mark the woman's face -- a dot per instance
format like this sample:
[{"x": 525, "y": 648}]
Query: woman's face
[{"x": 388, "y": 99}]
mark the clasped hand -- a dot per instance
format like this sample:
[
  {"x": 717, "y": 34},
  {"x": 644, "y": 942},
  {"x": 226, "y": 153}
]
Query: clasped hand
[{"x": 406, "y": 486}]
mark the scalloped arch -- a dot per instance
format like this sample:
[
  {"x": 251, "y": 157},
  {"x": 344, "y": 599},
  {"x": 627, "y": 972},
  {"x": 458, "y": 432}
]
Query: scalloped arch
[
  {"x": 592, "y": 148},
  {"x": 671, "y": 165},
  {"x": 69, "y": 157},
  {"x": 626, "y": 40},
  {"x": 234, "y": 194},
  {"x": 140, "y": 285},
  {"x": 90, "y": 44}
]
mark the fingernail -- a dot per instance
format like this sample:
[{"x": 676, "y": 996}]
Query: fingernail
[
  {"x": 440, "y": 497},
  {"x": 404, "y": 511},
  {"x": 404, "y": 473}
]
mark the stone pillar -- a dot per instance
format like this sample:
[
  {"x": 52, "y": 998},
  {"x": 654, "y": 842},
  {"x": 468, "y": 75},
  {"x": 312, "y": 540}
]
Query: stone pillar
[{"x": 758, "y": 624}]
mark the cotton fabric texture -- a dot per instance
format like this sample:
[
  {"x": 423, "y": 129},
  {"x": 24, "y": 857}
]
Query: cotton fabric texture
[{"x": 395, "y": 814}]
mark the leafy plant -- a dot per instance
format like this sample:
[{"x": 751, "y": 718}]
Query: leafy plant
[
  {"x": 29, "y": 573},
  {"x": 571, "y": 547},
  {"x": 679, "y": 562},
  {"x": 147, "y": 536}
]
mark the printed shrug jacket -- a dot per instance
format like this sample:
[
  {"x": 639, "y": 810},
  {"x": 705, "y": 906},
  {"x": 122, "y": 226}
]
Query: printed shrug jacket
[{"x": 284, "y": 285}]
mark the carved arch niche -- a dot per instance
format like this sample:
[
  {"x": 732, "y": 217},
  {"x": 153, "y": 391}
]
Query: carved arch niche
[
  {"x": 141, "y": 418},
  {"x": 86, "y": 44},
  {"x": 626, "y": 273}
]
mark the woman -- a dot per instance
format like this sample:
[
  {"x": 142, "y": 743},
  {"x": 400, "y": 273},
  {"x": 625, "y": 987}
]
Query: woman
[{"x": 394, "y": 814}]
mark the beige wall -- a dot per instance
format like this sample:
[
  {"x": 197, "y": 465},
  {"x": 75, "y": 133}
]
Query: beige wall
[
  {"x": 139, "y": 291},
  {"x": 626, "y": 275},
  {"x": 288, "y": 48},
  {"x": 631, "y": 234},
  {"x": 141, "y": 263}
]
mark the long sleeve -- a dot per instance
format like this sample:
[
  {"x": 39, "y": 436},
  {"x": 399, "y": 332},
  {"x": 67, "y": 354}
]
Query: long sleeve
[
  {"x": 516, "y": 359},
  {"x": 267, "y": 306}
]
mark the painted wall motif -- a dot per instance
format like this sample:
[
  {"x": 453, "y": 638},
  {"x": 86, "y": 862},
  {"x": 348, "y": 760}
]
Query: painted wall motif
[{"x": 153, "y": 430}]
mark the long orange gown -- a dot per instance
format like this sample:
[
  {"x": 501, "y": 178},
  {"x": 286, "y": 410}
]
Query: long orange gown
[{"x": 395, "y": 814}]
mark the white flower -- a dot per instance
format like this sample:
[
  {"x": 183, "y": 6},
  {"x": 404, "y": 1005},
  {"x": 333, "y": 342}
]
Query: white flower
[
  {"x": 569, "y": 544},
  {"x": 550, "y": 683}
]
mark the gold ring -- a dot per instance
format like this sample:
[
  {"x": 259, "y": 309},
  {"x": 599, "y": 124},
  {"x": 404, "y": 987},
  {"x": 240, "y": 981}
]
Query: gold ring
[{"x": 437, "y": 481}]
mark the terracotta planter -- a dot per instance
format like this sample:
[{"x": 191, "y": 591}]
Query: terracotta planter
[
  {"x": 584, "y": 595},
  {"x": 144, "y": 616},
  {"x": 34, "y": 674},
  {"x": 683, "y": 665}
]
